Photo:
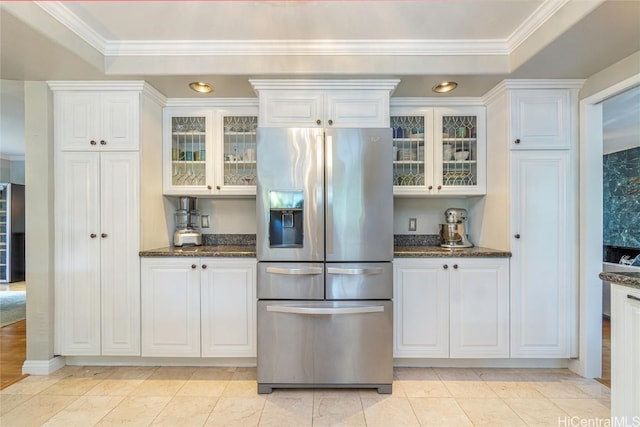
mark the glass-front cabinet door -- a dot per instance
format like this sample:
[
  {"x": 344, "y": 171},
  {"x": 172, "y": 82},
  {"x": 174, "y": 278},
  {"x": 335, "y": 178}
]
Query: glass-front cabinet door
[
  {"x": 237, "y": 151},
  {"x": 412, "y": 151},
  {"x": 438, "y": 151},
  {"x": 187, "y": 152},
  {"x": 460, "y": 150},
  {"x": 210, "y": 151}
]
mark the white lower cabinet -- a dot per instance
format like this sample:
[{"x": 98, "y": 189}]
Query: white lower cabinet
[
  {"x": 451, "y": 307},
  {"x": 625, "y": 355},
  {"x": 198, "y": 307}
]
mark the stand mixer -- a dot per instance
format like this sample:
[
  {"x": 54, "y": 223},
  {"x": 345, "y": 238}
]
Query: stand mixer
[
  {"x": 453, "y": 233},
  {"x": 187, "y": 223}
]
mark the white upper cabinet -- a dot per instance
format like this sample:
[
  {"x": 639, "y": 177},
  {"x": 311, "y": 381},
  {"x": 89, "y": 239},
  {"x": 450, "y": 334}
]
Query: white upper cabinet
[
  {"x": 540, "y": 119},
  {"x": 438, "y": 151},
  {"x": 210, "y": 151},
  {"x": 101, "y": 121},
  {"x": 309, "y": 103}
]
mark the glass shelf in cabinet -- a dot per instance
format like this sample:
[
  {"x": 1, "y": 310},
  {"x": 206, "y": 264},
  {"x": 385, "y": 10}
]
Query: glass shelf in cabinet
[{"x": 188, "y": 162}]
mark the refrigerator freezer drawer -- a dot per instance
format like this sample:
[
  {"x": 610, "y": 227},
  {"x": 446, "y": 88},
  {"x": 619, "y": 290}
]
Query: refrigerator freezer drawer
[
  {"x": 359, "y": 281},
  {"x": 328, "y": 343},
  {"x": 288, "y": 280}
]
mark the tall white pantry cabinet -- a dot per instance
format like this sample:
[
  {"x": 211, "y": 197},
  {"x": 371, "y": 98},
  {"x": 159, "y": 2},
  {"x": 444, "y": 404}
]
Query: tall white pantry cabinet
[
  {"x": 530, "y": 209},
  {"x": 99, "y": 131}
]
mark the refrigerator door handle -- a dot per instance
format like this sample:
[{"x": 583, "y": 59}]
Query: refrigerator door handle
[
  {"x": 355, "y": 271},
  {"x": 324, "y": 311},
  {"x": 329, "y": 189},
  {"x": 309, "y": 271}
]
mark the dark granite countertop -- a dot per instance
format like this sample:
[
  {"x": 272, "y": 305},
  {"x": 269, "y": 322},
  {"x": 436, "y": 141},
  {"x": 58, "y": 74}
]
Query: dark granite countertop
[
  {"x": 439, "y": 252},
  {"x": 228, "y": 251},
  {"x": 624, "y": 278},
  {"x": 249, "y": 251}
]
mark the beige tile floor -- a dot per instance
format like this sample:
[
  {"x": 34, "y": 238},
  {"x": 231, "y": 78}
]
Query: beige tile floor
[{"x": 192, "y": 396}]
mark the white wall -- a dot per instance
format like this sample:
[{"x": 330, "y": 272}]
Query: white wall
[
  {"x": 621, "y": 121},
  {"x": 429, "y": 212},
  {"x": 12, "y": 119},
  {"x": 39, "y": 222}
]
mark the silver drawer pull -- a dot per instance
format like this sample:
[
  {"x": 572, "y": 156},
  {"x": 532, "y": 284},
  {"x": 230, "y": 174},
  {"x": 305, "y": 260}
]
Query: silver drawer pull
[
  {"x": 321, "y": 310},
  {"x": 367, "y": 271},
  {"x": 633, "y": 297},
  {"x": 295, "y": 271}
]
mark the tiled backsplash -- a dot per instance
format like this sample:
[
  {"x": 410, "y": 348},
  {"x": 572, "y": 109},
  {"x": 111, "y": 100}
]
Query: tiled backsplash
[
  {"x": 250, "y": 239},
  {"x": 621, "y": 198}
]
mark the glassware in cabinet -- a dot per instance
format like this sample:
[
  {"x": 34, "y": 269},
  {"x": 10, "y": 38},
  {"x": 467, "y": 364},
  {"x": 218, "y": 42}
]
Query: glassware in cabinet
[
  {"x": 239, "y": 150},
  {"x": 408, "y": 150},
  {"x": 188, "y": 151},
  {"x": 459, "y": 150}
]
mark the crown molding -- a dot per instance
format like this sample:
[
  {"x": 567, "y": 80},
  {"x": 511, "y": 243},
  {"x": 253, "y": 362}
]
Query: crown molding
[
  {"x": 212, "y": 102},
  {"x": 534, "y": 21},
  {"x": 302, "y": 84},
  {"x": 510, "y": 84},
  {"x": 93, "y": 85},
  {"x": 113, "y": 48},
  {"x": 305, "y": 47},
  {"x": 70, "y": 20},
  {"x": 433, "y": 101}
]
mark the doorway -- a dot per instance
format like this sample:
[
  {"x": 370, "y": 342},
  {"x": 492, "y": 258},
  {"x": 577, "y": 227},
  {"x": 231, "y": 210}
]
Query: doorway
[{"x": 591, "y": 228}]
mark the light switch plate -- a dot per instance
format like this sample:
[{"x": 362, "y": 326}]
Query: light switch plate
[{"x": 413, "y": 224}]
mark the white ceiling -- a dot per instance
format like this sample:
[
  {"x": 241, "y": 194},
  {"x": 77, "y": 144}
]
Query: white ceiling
[{"x": 169, "y": 43}]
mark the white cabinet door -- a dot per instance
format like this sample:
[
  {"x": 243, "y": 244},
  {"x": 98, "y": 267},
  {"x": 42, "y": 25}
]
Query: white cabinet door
[
  {"x": 439, "y": 151},
  {"x": 77, "y": 120},
  {"x": 235, "y": 151},
  {"x": 625, "y": 353},
  {"x": 479, "y": 301},
  {"x": 170, "y": 307},
  {"x": 188, "y": 154},
  {"x": 421, "y": 308},
  {"x": 77, "y": 259},
  {"x": 541, "y": 265},
  {"x": 540, "y": 119},
  {"x": 291, "y": 108},
  {"x": 460, "y": 151},
  {"x": 100, "y": 121},
  {"x": 360, "y": 109},
  {"x": 120, "y": 264},
  {"x": 120, "y": 121},
  {"x": 320, "y": 108},
  {"x": 228, "y": 307}
]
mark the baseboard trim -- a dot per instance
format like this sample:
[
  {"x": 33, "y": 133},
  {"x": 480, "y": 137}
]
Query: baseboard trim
[
  {"x": 480, "y": 363},
  {"x": 43, "y": 367}
]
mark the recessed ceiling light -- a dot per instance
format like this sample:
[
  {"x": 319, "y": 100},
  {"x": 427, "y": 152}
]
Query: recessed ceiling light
[
  {"x": 201, "y": 87},
  {"x": 445, "y": 87}
]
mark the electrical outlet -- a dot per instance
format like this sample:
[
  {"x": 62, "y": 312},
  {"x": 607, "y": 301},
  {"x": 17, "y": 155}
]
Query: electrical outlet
[{"x": 413, "y": 224}]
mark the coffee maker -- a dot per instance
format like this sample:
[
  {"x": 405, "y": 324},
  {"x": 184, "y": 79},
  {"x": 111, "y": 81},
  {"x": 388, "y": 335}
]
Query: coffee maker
[
  {"x": 187, "y": 220},
  {"x": 453, "y": 233}
]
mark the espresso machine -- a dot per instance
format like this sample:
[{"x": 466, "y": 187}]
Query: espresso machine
[
  {"x": 453, "y": 233},
  {"x": 187, "y": 220}
]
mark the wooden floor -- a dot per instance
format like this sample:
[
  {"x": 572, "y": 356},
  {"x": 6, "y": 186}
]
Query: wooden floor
[
  {"x": 13, "y": 345},
  {"x": 606, "y": 353},
  {"x": 13, "y": 349}
]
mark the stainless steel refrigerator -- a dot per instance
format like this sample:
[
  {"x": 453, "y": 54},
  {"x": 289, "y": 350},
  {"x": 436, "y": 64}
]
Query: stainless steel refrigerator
[
  {"x": 12, "y": 246},
  {"x": 325, "y": 246}
]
